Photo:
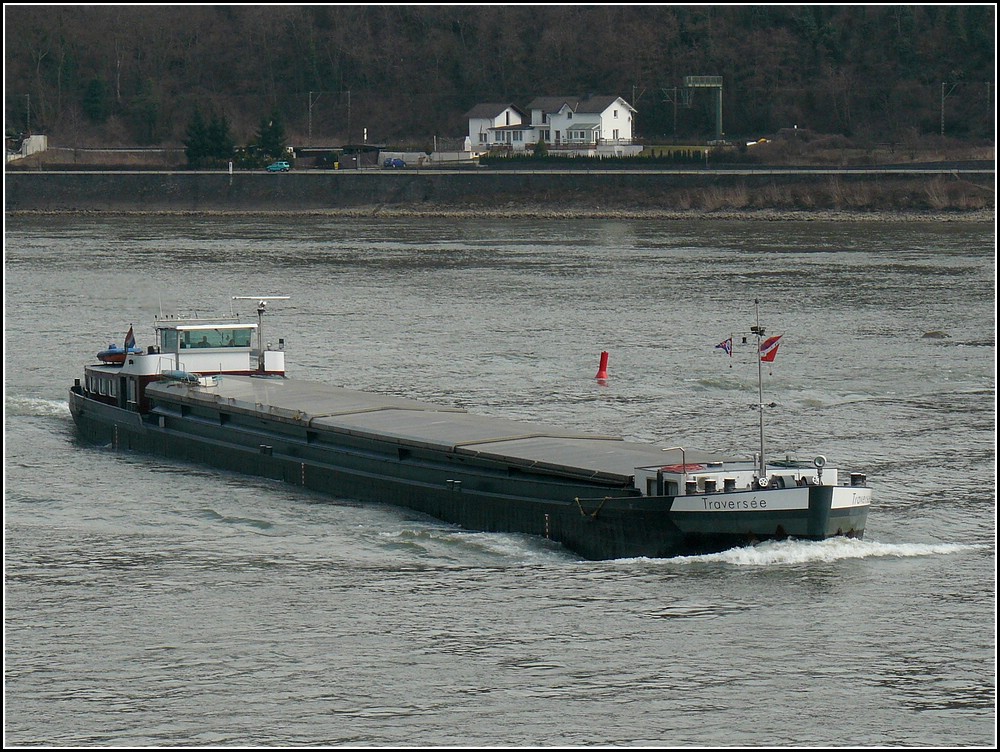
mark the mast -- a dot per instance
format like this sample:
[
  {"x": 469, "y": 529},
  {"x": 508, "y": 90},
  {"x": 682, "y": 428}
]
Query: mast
[
  {"x": 261, "y": 308},
  {"x": 759, "y": 331}
]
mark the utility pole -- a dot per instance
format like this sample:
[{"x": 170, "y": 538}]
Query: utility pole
[
  {"x": 348, "y": 116},
  {"x": 671, "y": 96},
  {"x": 945, "y": 95},
  {"x": 311, "y": 103},
  {"x": 948, "y": 89},
  {"x": 27, "y": 117},
  {"x": 314, "y": 98}
]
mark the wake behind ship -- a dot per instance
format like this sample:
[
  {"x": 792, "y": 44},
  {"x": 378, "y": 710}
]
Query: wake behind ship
[{"x": 205, "y": 393}]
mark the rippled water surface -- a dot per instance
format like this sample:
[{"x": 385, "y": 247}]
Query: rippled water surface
[{"x": 150, "y": 602}]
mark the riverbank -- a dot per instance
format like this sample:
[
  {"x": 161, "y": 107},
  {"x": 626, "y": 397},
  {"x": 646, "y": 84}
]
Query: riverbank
[
  {"x": 763, "y": 215},
  {"x": 937, "y": 195}
]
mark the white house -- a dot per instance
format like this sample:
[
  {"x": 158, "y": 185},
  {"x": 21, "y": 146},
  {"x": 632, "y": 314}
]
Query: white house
[
  {"x": 30, "y": 145},
  {"x": 582, "y": 121},
  {"x": 593, "y": 125},
  {"x": 491, "y": 124}
]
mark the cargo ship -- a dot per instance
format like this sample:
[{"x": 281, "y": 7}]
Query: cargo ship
[{"x": 209, "y": 390}]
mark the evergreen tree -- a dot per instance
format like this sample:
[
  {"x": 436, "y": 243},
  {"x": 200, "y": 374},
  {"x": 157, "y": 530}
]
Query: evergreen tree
[
  {"x": 197, "y": 146},
  {"x": 144, "y": 113},
  {"x": 221, "y": 144},
  {"x": 271, "y": 136},
  {"x": 96, "y": 105}
]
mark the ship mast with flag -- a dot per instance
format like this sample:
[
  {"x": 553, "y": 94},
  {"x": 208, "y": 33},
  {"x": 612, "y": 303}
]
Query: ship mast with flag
[{"x": 766, "y": 351}]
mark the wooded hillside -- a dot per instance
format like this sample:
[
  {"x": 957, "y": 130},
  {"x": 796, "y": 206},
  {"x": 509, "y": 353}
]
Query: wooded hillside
[{"x": 123, "y": 75}]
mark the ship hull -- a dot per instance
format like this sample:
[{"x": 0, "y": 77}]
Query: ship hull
[{"x": 599, "y": 517}]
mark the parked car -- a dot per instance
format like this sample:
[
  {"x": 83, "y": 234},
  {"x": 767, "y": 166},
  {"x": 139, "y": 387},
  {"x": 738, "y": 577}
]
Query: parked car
[
  {"x": 395, "y": 162},
  {"x": 279, "y": 167}
]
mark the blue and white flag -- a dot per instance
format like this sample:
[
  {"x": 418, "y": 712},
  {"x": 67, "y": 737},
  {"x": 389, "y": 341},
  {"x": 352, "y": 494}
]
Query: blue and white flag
[{"x": 726, "y": 346}]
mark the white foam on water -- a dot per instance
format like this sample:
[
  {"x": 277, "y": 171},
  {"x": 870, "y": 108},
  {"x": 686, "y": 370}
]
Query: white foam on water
[
  {"x": 511, "y": 546},
  {"x": 772, "y": 553},
  {"x": 35, "y": 406}
]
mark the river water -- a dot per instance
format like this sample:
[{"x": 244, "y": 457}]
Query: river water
[{"x": 150, "y": 602}]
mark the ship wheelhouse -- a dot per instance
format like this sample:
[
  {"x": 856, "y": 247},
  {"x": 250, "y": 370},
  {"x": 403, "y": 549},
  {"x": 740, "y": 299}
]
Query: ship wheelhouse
[
  {"x": 195, "y": 347},
  {"x": 212, "y": 347}
]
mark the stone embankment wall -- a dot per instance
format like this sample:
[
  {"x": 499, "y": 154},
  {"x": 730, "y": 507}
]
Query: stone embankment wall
[{"x": 479, "y": 190}]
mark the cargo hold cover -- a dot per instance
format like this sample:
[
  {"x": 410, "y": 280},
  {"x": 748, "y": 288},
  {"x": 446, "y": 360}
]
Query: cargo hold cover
[{"x": 413, "y": 423}]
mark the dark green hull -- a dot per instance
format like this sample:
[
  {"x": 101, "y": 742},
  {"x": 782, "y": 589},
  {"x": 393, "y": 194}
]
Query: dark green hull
[{"x": 597, "y": 512}]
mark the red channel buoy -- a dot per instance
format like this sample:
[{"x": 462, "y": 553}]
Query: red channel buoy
[{"x": 602, "y": 372}]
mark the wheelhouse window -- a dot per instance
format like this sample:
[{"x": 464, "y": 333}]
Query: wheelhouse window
[
  {"x": 168, "y": 340},
  {"x": 240, "y": 337},
  {"x": 202, "y": 338}
]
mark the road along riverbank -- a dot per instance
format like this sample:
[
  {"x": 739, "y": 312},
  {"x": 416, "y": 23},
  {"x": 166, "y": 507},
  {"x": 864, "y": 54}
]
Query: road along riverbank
[{"x": 682, "y": 194}]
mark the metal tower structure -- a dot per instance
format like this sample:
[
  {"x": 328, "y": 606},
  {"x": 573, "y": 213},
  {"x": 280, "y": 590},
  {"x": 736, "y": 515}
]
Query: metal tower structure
[{"x": 709, "y": 82}]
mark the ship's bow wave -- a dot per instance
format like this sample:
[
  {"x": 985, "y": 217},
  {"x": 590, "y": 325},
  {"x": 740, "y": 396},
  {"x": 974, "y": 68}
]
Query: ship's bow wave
[
  {"x": 792, "y": 552},
  {"x": 36, "y": 407}
]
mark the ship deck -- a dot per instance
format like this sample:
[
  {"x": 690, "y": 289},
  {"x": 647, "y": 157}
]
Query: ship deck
[{"x": 411, "y": 423}]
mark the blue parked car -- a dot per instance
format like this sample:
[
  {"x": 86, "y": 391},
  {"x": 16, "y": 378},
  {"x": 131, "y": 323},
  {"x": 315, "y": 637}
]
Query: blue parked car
[
  {"x": 279, "y": 167},
  {"x": 395, "y": 162}
]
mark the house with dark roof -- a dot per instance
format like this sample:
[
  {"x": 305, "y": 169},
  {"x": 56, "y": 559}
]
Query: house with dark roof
[
  {"x": 593, "y": 125},
  {"x": 495, "y": 123}
]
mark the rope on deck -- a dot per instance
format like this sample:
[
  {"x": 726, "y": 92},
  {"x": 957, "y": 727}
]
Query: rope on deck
[{"x": 592, "y": 515}]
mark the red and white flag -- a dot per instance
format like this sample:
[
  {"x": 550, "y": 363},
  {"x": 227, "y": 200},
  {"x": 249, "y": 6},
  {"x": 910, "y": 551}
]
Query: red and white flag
[{"x": 769, "y": 349}]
